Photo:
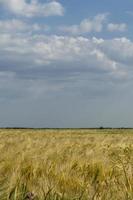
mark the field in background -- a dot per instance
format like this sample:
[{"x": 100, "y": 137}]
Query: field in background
[{"x": 66, "y": 164}]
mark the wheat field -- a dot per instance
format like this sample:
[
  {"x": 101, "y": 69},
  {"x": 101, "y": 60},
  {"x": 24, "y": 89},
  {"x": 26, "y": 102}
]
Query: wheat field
[{"x": 66, "y": 164}]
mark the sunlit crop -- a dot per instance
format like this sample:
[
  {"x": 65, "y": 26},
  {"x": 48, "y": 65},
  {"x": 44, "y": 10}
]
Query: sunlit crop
[{"x": 66, "y": 164}]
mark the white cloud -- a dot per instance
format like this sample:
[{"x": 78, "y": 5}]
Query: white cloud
[
  {"x": 87, "y": 25},
  {"x": 36, "y": 62},
  {"x": 117, "y": 27},
  {"x": 19, "y": 26},
  {"x": 77, "y": 54},
  {"x": 34, "y": 8},
  {"x": 120, "y": 50}
]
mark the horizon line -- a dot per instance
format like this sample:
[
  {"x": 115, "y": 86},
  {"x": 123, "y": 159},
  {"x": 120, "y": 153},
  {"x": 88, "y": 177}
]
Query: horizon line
[{"x": 101, "y": 127}]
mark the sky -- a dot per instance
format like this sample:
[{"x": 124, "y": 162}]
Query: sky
[{"x": 66, "y": 63}]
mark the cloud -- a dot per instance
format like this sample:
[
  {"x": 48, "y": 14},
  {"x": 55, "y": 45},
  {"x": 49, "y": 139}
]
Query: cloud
[
  {"x": 117, "y": 27},
  {"x": 34, "y": 8},
  {"x": 120, "y": 50},
  {"x": 36, "y": 64},
  {"x": 19, "y": 26},
  {"x": 87, "y": 25},
  {"x": 129, "y": 13},
  {"x": 12, "y": 87},
  {"x": 79, "y": 54}
]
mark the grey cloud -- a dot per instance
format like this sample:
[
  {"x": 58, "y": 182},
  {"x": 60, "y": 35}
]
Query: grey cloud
[
  {"x": 36, "y": 65},
  {"x": 56, "y": 52},
  {"x": 120, "y": 50}
]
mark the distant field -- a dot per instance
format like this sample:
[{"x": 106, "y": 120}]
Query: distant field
[{"x": 66, "y": 164}]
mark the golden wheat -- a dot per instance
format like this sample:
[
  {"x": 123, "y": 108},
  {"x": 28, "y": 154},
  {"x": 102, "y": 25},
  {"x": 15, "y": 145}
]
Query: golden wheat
[{"x": 66, "y": 164}]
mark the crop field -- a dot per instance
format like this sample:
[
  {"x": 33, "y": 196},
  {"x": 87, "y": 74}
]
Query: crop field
[{"x": 66, "y": 164}]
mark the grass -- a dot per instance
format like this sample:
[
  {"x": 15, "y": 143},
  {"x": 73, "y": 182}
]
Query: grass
[{"x": 66, "y": 164}]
